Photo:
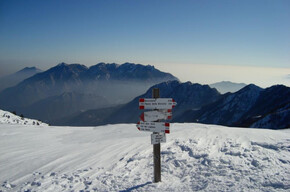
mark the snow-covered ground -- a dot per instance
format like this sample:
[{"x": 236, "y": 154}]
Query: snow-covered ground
[
  {"x": 119, "y": 158},
  {"x": 10, "y": 118}
]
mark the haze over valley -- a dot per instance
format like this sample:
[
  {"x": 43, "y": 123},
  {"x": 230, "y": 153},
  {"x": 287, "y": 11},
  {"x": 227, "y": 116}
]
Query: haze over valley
[{"x": 76, "y": 95}]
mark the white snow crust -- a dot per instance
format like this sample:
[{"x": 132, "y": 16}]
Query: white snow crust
[
  {"x": 10, "y": 118},
  {"x": 196, "y": 157}
]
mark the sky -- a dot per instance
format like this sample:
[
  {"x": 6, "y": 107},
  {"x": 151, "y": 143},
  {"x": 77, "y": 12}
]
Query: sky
[{"x": 201, "y": 41}]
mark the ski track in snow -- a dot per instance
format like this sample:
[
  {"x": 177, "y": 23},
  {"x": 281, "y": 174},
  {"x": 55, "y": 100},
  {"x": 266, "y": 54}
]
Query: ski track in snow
[{"x": 196, "y": 157}]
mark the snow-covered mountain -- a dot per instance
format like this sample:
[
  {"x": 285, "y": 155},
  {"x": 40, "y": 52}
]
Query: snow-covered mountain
[
  {"x": 252, "y": 106},
  {"x": 227, "y": 110},
  {"x": 227, "y": 86},
  {"x": 110, "y": 84},
  {"x": 278, "y": 118},
  {"x": 196, "y": 157},
  {"x": 15, "y": 78},
  {"x": 272, "y": 109},
  {"x": 10, "y": 118}
]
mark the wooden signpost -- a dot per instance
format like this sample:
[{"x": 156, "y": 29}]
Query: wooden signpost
[{"x": 150, "y": 121}]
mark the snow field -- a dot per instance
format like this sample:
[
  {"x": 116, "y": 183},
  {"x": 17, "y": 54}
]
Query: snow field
[{"x": 119, "y": 158}]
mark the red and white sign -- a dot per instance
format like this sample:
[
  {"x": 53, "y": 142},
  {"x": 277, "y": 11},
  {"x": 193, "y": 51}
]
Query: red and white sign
[
  {"x": 156, "y": 115},
  {"x": 158, "y": 138},
  {"x": 153, "y": 126},
  {"x": 159, "y": 103}
]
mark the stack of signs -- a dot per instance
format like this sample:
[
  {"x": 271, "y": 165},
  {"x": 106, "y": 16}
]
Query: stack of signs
[{"x": 162, "y": 110}]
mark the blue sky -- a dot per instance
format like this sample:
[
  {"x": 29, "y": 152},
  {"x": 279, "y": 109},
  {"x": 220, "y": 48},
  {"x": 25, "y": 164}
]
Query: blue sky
[{"x": 167, "y": 34}]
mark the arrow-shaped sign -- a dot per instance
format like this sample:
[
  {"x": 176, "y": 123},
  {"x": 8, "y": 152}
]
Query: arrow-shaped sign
[
  {"x": 156, "y": 115},
  {"x": 159, "y": 103},
  {"x": 153, "y": 126}
]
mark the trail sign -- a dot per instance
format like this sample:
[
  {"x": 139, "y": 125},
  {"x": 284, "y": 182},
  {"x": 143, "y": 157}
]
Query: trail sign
[
  {"x": 150, "y": 122},
  {"x": 156, "y": 115},
  {"x": 158, "y": 138},
  {"x": 158, "y": 103},
  {"x": 153, "y": 126}
]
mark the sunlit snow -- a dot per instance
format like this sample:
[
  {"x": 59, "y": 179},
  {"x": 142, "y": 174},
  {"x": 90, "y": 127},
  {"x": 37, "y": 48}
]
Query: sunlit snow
[{"x": 119, "y": 158}]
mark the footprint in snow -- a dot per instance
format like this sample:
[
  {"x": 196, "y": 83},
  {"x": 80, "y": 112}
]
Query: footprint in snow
[
  {"x": 34, "y": 183},
  {"x": 52, "y": 174},
  {"x": 8, "y": 185}
]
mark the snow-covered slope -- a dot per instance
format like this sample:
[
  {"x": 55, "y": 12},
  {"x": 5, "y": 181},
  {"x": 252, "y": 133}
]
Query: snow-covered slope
[
  {"x": 119, "y": 158},
  {"x": 10, "y": 118}
]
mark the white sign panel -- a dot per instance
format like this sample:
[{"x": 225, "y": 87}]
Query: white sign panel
[
  {"x": 158, "y": 138},
  {"x": 159, "y": 103},
  {"x": 156, "y": 115},
  {"x": 153, "y": 126}
]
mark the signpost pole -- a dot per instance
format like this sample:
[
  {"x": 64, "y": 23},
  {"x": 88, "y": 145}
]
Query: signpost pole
[{"x": 156, "y": 148}]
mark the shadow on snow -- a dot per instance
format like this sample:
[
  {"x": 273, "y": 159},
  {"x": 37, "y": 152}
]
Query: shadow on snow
[{"x": 136, "y": 187}]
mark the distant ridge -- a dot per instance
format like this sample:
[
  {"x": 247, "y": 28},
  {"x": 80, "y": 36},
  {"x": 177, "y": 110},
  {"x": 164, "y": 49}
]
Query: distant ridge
[
  {"x": 15, "y": 78},
  {"x": 30, "y": 69},
  {"x": 227, "y": 86}
]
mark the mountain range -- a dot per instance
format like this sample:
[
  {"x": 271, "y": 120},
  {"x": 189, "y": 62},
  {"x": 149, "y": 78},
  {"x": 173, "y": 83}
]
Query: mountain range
[
  {"x": 187, "y": 95},
  {"x": 73, "y": 94},
  {"x": 69, "y": 88},
  {"x": 252, "y": 106}
]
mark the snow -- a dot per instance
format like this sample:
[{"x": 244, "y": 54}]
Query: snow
[
  {"x": 275, "y": 119},
  {"x": 119, "y": 158},
  {"x": 10, "y": 118}
]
